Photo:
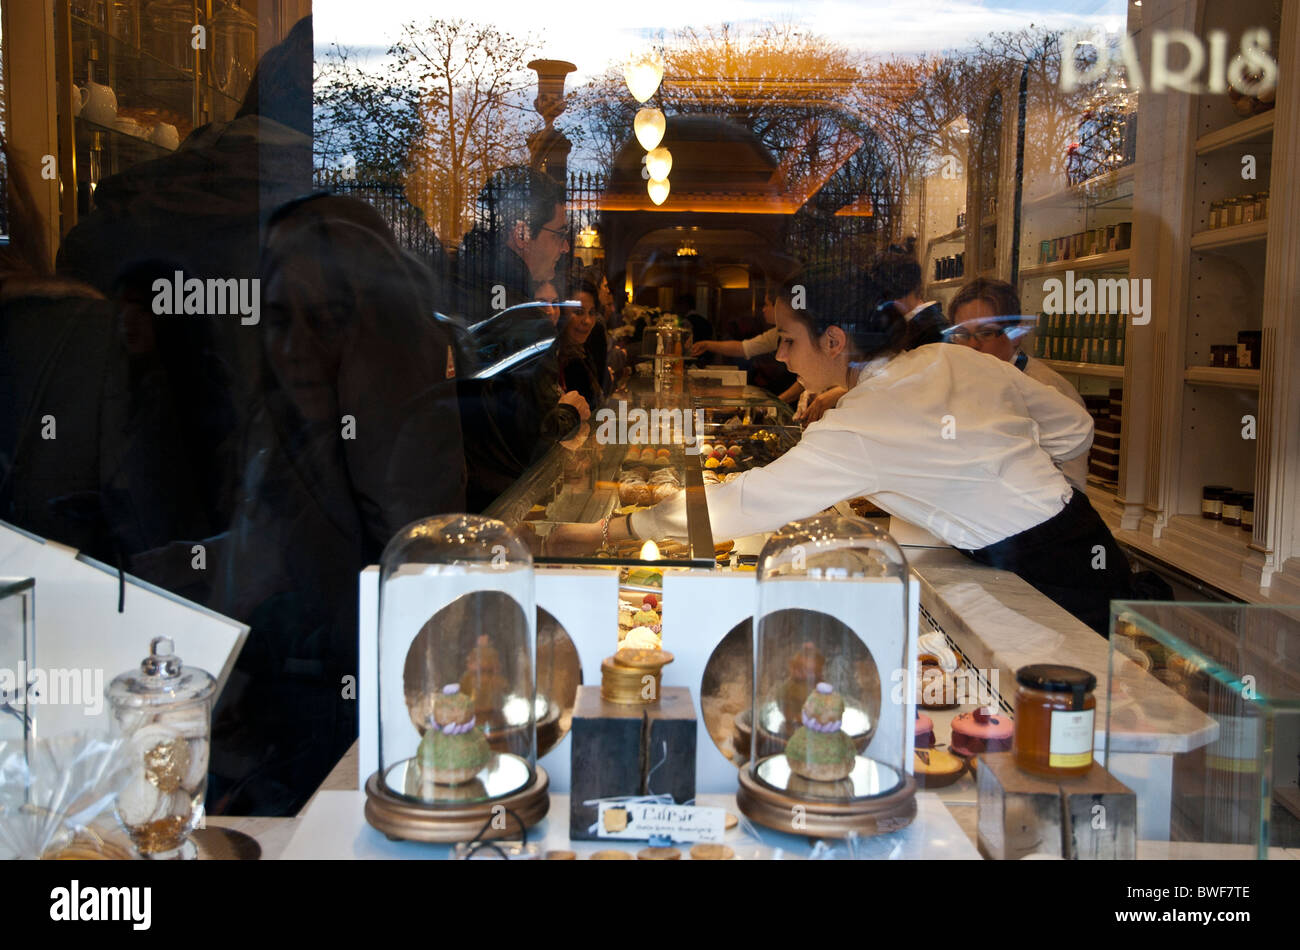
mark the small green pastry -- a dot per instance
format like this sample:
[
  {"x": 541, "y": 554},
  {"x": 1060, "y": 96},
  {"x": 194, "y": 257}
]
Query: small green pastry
[
  {"x": 820, "y": 750},
  {"x": 454, "y": 748}
]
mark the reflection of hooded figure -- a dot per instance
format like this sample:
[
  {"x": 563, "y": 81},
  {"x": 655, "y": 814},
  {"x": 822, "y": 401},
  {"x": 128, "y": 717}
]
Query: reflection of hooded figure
[
  {"x": 355, "y": 435},
  {"x": 200, "y": 210}
]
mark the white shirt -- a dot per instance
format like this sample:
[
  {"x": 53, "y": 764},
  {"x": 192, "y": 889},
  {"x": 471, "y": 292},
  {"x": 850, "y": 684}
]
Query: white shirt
[
  {"x": 765, "y": 342},
  {"x": 1076, "y": 469},
  {"x": 948, "y": 438}
]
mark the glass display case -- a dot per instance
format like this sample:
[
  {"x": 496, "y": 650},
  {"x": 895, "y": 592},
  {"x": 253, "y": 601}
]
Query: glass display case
[
  {"x": 17, "y": 646},
  {"x": 831, "y": 738},
  {"x": 1240, "y": 665},
  {"x": 456, "y": 692},
  {"x": 644, "y": 446}
]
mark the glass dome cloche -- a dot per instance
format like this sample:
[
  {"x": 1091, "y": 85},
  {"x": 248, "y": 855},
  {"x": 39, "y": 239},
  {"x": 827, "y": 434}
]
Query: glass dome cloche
[
  {"x": 457, "y": 685},
  {"x": 832, "y": 714}
]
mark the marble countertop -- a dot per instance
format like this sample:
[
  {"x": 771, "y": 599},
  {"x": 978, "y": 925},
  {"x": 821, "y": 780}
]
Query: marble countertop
[{"x": 1002, "y": 624}]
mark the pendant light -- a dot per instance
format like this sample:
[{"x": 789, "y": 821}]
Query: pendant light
[
  {"x": 658, "y": 189},
  {"x": 659, "y": 162},
  {"x": 643, "y": 76},
  {"x": 649, "y": 126}
]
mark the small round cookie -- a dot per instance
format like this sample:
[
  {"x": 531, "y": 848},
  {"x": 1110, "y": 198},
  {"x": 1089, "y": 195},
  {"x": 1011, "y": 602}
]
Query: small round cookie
[
  {"x": 561, "y": 856},
  {"x": 643, "y": 659},
  {"x": 658, "y": 854},
  {"x": 712, "y": 852},
  {"x": 611, "y": 856},
  {"x": 731, "y": 821}
]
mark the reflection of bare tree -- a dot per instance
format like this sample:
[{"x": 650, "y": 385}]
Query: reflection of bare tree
[{"x": 441, "y": 115}]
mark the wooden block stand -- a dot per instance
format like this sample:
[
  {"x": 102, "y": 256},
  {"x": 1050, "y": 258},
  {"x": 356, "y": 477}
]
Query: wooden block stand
[
  {"x": 1091, "y": 817},
  {"x": 616, "y": 746}
]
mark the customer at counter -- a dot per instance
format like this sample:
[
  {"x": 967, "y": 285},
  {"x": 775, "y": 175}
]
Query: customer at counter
[
  {"x": 581, "y": 369},
  {"x": 943, "y": 436},
  {"x": 986, "y": 317}
]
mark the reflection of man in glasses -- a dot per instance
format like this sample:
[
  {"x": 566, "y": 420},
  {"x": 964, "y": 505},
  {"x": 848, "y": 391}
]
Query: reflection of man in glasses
[{"x": 986, "y": 316}]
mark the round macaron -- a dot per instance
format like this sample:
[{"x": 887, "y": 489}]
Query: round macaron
[{"x": 981, "y": 731}]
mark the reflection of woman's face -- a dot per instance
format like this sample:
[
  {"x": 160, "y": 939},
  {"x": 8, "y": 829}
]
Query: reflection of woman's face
[
  {"x": 546, "y": 293},
  {"x": 581, "y": 322},
  {"x": 294, "y": 349}
]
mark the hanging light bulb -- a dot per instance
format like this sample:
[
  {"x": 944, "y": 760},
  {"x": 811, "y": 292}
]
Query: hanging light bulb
[
  {"x": 643, "y": 76},
  {"x": 658, "y": 189},
  {"x": 659, "y": 162},
  {"x": 649, "y": 126}
]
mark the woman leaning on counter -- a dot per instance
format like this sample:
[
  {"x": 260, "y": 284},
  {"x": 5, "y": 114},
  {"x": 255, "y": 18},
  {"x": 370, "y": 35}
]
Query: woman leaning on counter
[{"x": 944, "y": 436}]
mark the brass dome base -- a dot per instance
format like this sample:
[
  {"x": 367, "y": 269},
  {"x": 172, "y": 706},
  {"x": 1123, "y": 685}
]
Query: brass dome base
[
  {"x": 783, "y": 812},
  {"x": 398, "y": 817}
]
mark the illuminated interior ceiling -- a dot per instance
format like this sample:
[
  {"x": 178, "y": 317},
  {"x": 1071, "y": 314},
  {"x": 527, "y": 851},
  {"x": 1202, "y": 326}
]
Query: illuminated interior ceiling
[{"x": 718, "y": 165}]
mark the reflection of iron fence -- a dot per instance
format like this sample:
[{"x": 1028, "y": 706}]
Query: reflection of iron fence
[
  {"x": 833, "y": 231},
  {"x": 406, "y": 220}
]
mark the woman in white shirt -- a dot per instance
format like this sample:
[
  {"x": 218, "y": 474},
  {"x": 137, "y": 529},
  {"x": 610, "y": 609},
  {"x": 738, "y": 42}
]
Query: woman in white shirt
[{"x": 948, "y": 438}]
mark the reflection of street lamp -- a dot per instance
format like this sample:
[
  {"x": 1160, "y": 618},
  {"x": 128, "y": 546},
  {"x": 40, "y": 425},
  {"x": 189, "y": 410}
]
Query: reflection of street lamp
[
  {"x": 587, "y": 243},
  {"x": 649, "y": 126},
  {"x": 549, "y": 147},
  {"x": 643, "y": 76}
]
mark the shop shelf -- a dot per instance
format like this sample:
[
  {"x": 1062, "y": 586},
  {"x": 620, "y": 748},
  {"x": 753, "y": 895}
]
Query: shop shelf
[
  {"x": 1227, "y": 237},
  {"x": 1111, "y": 260},
  {"x": 1084, "y": 191},
  {"x": 1247, "y": 130},
  {"x": 1228, "y": 377},
  {"x": 1086, "y": 369}
]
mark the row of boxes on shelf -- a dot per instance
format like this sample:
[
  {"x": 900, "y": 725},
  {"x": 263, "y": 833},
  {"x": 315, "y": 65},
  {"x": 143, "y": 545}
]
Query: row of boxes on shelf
[
  {"x": 1226, "y": 504},
  {"x": 1112, "y": 237},
  {"x": 1242, "y": 209},
  {"x": 1245, "y": 355},
  {"x": 1081, "y": 337},
  {"x": 946, "y": 268},
  {"x": 1103, "y": 457}
]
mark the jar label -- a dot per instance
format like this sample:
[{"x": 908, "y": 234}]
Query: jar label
[
  {"x": 1070, "y": 746},
  {"x": 1237, "y": 747}
]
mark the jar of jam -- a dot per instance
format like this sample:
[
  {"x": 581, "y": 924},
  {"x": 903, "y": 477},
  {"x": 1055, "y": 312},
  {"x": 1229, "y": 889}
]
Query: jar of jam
[
  {"x": 1248, "y": 511},
  {"x": 1055, "y": 709},
  {"x": 1212, "y": 501},
  {"x": 1232, "y": 508}
]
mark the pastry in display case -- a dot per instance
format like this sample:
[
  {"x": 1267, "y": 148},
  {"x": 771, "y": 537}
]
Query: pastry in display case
[
  {"x": 457, "y": 694},
  {"x": 833, "y": 609},
  {"x": 646, "y": 450}
]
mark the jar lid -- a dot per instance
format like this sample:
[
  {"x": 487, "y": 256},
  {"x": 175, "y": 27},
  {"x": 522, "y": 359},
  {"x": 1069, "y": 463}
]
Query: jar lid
[
  {"x": 1054, "y": 678},
  {"x": 163, "y": 679},
  {"x": 1210, "y": 491},
  {"x": 1247, "y": 496}
]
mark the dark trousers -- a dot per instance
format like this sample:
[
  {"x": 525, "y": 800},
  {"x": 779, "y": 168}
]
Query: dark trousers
[{"x": 1071, "y": 558}]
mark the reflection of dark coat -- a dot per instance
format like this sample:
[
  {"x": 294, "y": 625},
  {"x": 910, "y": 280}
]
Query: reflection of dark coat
[
  {"x": 199, "y": 210},
  {"x": 355, "y": 436},
  {"x": 87, "y": 434},
  {"x": 512, "y": 419}
]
